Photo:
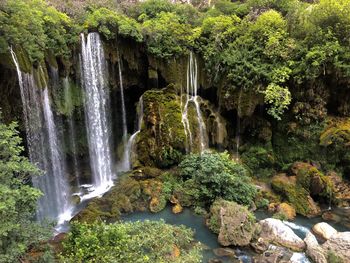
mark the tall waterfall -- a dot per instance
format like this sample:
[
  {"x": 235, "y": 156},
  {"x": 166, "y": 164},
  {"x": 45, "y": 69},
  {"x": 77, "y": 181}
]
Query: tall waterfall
[
  {"x": 71, "y": 128},
  {"x": 125, "y": 162},
  {"x": 97, "y": 111},
  {"x": 44, "y": 148},
  {"x": 131, "y": 141},
  {"x": 192, "y": 97}
]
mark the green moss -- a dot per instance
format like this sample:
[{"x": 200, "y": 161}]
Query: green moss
[
  {"x": 296, "y": 196},
  {"x": 260, "y": 161},
  {"x": 161, "y": 140}
]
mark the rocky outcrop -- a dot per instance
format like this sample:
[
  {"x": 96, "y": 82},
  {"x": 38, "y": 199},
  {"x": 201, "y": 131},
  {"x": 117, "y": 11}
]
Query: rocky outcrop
[
  {"x": 314, "y": 250},
  {"x": 234, "y": 223},
  {"x": 275, "y": 231},
  {"x": 339, "y": 245},
  {"x": 296, "y": 195},
  {"x": 324, "y": 230}
]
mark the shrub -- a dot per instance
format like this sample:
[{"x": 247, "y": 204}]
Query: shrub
[
  {"x": 148, "y": 241},
  {"x": 216, "y": 175}
]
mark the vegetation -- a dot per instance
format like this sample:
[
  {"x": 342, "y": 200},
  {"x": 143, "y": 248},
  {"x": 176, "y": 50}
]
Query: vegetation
[
  {"x": 217, "y": 176},
  {"x": 148, "y": 241},
  {"x": 18, "y": 200}
]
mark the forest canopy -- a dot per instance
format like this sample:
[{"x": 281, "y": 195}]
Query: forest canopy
[{"x": 246, "y": 45}]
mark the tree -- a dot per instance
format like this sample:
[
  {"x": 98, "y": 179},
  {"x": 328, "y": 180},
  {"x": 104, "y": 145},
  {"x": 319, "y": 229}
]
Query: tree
[
  {"x": 215, "y": 175},
  {"x": 18, "y": 199},
  {"x": 139, "y": 242}
]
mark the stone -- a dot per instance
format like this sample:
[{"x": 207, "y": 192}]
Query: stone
[
  {"x": 324, "y": 230},
  {"x": 339, "y": 244},
  {"x": 314, "y": 250},
  {"x": 177, "y": 209},
  {"x": 260, "y": 245},
  {"x": 287, "y": 210},
  {"x": 275, "y": 231},
  {"x": 234, "y": 223},
  {"x": 224, "y": 252},
  {"x": 273, "y": 255},
  {"x": 329, "y": 216}
]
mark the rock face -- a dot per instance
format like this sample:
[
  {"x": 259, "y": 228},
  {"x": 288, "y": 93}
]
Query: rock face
[
  {"x": 274, "y": 231},
  {"x": 295, "y": 194},
  {"x": 324, "y": 230},
  {"x": 313, "y": 249},
  {"x": 339, "y": 244},
  {"x": 234, "y": 223}
]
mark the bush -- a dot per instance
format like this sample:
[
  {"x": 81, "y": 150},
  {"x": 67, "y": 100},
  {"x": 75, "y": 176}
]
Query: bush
[
  {"x": 148, "y": 241},
  {"x": 216, "y": 175}
]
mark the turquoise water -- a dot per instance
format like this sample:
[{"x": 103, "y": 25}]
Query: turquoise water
[{"x": 196, "y": 223}]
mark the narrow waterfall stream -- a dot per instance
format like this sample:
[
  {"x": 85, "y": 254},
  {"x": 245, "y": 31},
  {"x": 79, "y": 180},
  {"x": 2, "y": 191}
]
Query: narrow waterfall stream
[
  {"x": 71, "y": 129},
  {"x": 45, "y": 149},
  {"x": 131, "y": 141},
  {"x": 192, "y": 97},
  {"x": 125, "y": 162},
  {"x": 97, "y": 111}
]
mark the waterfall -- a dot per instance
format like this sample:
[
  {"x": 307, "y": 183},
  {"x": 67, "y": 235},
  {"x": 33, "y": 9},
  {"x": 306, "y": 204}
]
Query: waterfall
[
  {"x": 44, "y": 148},
  {"x": 131, "y": 141},
  {"x": 125, "y": 162},
  {"x": 71, "y": 128},
  {"x": 192, "y": 97},
  {"x": 97, "y": 111},
  {"x": 60, "y": 182}
]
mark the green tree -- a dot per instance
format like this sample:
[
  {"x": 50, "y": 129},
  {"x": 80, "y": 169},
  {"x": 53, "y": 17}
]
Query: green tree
[
  {"x": 148, "y": 241},
  {"x": 215, "y": 175},
  {"x": 166, "y": 36},
  {"x": 18, "y": 199}
]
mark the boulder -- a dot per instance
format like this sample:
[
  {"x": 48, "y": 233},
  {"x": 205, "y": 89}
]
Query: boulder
[
  {"x": 324, "y": 230},
  {"x": 314, "y": 250},
  {"x": 339, "y": 244},
  {"x": 224, "y": 252},
  {"x": 295, "y": 195},
  {"x": 274, "y": 254},
  {"x": 233, "y": 222},
  {"x": 287, "y": 210},
  {"x": 275, "y": 231}
]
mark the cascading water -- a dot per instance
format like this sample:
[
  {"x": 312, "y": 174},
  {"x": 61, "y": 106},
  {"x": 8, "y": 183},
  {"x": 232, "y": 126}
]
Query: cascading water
[
  {"x": 71, "y": 128},
  {"x": 44, "y": 148},
  {"x": 192, "y": 97},
  {"x": 131, "y": 141},
  {"x": 125, "y": 162},
  {"x": 60, "y": 182},
  {"x": 97, "y": 112}
]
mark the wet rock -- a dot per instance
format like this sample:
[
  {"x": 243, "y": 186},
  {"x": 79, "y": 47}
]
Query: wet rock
[
  {"x": 224, "y": 252},
  {"x": 330, "y": 216},
  {"x": 339, "y": 244},
  {"x": 314, "y": 250},
  {"x": 324, "y": 230},
  {"x": 260, "y": 245},
  {"x": 275, "y": 231},
  {"x": 234, "y": 223},
  {"x": 273, "y": 255}
]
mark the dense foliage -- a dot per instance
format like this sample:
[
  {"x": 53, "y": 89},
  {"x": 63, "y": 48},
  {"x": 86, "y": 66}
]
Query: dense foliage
[
  {"x": 215, "y": 175},
  {"x": 148, "y": 241},
  {"x": 18, "y": 200},
  {"x": 265, "y": 47}
]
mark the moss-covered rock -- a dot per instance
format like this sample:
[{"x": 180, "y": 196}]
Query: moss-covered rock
[
  {"x": 161, "y": 140},
  {"x": 296, "y": 195},
  {"x": 234, "y": 223},
  {"x": 126, "y": 196}
]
